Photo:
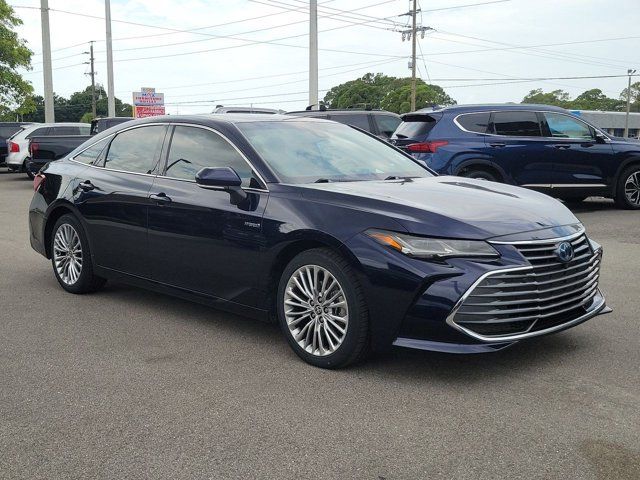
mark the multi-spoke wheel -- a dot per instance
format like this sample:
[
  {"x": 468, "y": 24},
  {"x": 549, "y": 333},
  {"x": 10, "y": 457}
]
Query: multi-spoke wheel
[
  {"x": 71, "y": 258},
  {"x": 67, "y": 254},
  {"x": 628, "y": 191},
  {"x": 322, "y": 310},
  {"x": 316, "y": 310}
]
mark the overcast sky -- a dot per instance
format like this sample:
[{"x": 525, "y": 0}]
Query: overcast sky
[{"x": 197, "y": 70}]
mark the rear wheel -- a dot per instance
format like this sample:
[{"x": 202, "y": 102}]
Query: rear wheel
[
  {"x": 478, "y": 173},
  {"x": 628, "y": 188},
  {"x": 322, "y": 311},
  {"x": 71, "y": 257}
]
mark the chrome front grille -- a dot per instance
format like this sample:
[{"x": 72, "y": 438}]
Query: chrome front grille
[{"x": 526, "y": 300}]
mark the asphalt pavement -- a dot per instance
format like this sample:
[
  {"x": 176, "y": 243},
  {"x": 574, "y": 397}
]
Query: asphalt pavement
[{"x": 128, "y": 384}]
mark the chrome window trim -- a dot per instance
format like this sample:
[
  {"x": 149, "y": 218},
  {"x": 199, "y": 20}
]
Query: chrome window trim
[
  {"x": 455, "y": 120},
  {"x": 224, "y": 137}
]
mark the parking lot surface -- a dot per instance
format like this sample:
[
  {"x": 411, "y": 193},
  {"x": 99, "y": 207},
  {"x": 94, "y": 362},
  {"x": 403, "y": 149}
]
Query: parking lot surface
[{"x": 130, "y": 384}]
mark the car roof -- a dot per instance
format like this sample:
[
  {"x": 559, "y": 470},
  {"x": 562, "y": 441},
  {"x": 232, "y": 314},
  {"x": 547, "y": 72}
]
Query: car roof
[
  {"x": 227, "y": 118},
  {"x": 349, "y": 111},
  {"x": 488, "y": 107}
]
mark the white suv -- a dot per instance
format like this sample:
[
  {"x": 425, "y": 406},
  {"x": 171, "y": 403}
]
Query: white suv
[{"x": 18, "y": 143}]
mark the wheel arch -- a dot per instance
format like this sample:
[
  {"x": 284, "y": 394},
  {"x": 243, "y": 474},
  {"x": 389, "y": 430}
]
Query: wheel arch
[
  {"x": 55, "y": 212},
  {"x": 482, "y": 164},
  {"x": 629, "y": 162},
  {"x": 304, "y": 241}
]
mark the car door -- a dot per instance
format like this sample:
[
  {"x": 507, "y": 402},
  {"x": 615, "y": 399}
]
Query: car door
[
  {"x": 198, "y": 240},
  {"x": 517, "y": 146},
  {"x": 113, "y": 197},
  {"x": 580, "y": 160}
]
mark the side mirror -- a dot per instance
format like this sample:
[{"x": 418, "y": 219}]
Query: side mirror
[
  {"x": 222, "y": 178},
  {"x": 600, "y": 138}
]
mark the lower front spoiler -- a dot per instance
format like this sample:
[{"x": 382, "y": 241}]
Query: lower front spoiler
[{"x": 493, "y": 344}]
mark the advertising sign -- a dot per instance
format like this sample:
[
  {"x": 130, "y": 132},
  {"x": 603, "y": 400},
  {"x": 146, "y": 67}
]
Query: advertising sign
[
  {"x": 142, "y": 112},
  {"x": 148, "y": 103}
]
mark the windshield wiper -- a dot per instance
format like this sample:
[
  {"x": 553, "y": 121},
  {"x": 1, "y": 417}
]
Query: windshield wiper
[
  {"x": 396, "y": 177},
  {"x": 322, "y": 180}
]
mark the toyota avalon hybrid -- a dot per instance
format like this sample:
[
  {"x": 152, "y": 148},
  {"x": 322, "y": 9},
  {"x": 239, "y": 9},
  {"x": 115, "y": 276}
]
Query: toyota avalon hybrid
[{"x": 349, "y": 243}]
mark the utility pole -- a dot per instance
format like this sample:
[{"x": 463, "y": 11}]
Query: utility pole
[
  {"x": 111, "y": 101},
  {"x": 412, "y": 35},
  {"x": 413, "y": 55},
  {"x": 93, "y": 79},
  {"x": 49, "y": 113},
  {"x": 630, "y": 72},
  {"x": 313, "y": 54}
]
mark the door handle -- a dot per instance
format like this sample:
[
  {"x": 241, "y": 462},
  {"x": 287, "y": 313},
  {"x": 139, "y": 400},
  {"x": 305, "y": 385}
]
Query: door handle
[
  {"x": 160, "y": 198},
  {"x": 562, "y": 146},
  {"x": 498, "y": 145},
  {"x": 86, "y": 186}
]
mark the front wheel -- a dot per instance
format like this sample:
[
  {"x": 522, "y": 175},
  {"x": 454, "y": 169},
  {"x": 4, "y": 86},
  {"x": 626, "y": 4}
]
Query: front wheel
[
  {"x": 322, "y": 310},
  {"x": 71, "y": 257},
  {"x": 628, "y": 189}
]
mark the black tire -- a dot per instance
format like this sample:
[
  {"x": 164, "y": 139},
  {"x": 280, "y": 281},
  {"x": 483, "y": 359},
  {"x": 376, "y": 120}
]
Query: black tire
[
  {"x": 479, "y": 173},
  {"x": 355, "y": 343},
  {"x": 87, "y": 281},
  {"x": 622, "y": 199}
]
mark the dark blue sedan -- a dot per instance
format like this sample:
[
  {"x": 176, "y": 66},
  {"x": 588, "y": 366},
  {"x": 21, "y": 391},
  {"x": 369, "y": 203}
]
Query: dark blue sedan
[
  {"x": 347, "y": 242},
  {"x": 535, "y": 146}
]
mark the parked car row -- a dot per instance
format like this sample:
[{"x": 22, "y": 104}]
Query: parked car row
[
  {"x": 350, "y": 243},
  {"x": 31, "y": 145}
]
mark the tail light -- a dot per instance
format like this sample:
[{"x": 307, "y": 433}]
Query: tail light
[
  {"x": 33, "y": 148},
  {"x": 427, "y": 147},
  {"x": 38, "y": 180},
  {"x": 14, "y": 147}
]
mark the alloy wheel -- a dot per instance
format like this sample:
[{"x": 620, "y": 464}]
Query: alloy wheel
[
  {"x": 67, "y": 254},
  {"x": 316, "y": 310},
  {"x": 632, "y": 188}
]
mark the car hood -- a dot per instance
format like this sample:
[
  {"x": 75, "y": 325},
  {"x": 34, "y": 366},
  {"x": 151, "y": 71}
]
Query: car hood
[{"x": 447, "y": 206}]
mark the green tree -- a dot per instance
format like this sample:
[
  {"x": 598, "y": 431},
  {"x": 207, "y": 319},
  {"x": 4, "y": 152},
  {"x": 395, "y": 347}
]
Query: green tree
[
  {"x": 383, "y": 91},
  {"x": 635, "y": 97},
  {"x": 594, "y": 99},
  {"x": 14, "y": 90},
  {"x": 559, "y": 98}
]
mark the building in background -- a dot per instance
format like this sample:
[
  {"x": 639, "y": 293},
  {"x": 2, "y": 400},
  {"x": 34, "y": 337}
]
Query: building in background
[{"x": 612, "y": 122}]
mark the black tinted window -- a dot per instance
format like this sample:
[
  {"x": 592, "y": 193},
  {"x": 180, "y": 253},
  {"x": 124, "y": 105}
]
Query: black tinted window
[
  {"x": 7, "y": 131},
  {"x": 413, "y": 126},
  {"x": 475, "y": 122},
  {"x": 92, "y": 154},
  {"x": 387, "y": 124},
  {"x": 69, "y": 130},
  {"x": 39, "y": 132},
  {"x": 195, "y": 148},
  {"x": 136, "y": 150},
  {"x": 360, "y": 121},
  {"x": 516, "y": 124}
]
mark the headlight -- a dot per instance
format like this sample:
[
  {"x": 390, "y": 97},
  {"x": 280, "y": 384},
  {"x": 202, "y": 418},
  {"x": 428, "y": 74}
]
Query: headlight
[{"x": 424, "y": 247}]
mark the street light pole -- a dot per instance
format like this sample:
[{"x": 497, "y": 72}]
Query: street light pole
[
  {"x": 111, "y": 101},
  {"x": 630, "y": 72},
  {"x": 49, "y": 112},
  {"x": 313, "y": 54}
]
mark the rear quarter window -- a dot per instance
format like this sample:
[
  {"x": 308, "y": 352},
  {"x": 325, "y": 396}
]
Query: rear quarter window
[
  {"x": 474, "y": 122},
  {"x": 415, "y": 126}
]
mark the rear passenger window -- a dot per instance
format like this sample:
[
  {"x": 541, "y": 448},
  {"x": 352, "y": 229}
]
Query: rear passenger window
[
  {"x": 66, "y": 130},
  {"x": 474, "y": 122},
  {"x": 39, "y": 132},
  {"x": 360, "y": 121},
  {"x": 92, "y": 155},
  {"x": 136, "y": 150},
  {"x": 193, "y": 149},
  {"x": 516, "y": 124},
  {"x": 387, "y": 124}
]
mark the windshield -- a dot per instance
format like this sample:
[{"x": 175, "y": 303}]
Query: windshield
[{"x": 318, "y": 151}]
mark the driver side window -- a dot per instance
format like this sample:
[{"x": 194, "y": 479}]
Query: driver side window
[{"x": 194, "y": 148}]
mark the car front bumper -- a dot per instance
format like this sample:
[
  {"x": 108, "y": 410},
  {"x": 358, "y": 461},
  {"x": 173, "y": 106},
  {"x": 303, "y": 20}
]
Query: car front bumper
[{"x": 466, "y": 305}]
